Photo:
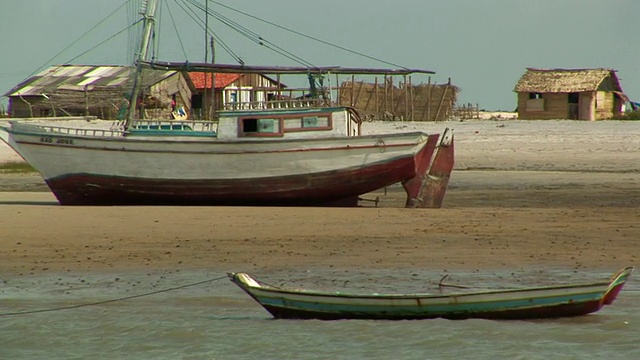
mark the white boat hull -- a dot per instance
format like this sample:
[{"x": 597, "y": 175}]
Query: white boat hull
[{"x": 83, "y": 169}]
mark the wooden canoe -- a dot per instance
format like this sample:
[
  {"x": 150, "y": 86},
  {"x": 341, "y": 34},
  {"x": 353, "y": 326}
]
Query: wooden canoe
[{"x": 526, "y": 303}]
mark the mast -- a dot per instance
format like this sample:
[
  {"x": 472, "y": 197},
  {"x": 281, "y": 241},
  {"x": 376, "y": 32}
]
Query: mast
[
  {"x": 205, "y": 108},
  {"x": 148, "y": 12}
]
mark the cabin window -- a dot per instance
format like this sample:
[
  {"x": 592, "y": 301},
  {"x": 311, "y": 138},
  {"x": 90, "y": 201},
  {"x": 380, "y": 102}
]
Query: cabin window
[
  {"x": 315, "y": 122},
  {"x": 250, "y": 125},
  {"x": 310, "y": 121},
  {"x": 260, "y": 126},
  {"x": 535, "y": 95}
]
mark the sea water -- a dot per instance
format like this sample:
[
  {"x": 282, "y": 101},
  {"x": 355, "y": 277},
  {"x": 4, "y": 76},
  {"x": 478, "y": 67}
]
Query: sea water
[{"x": 216, "y": 320}]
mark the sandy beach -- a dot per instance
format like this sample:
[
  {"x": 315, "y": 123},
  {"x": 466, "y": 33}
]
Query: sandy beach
[{"x": 524, "y": 194}]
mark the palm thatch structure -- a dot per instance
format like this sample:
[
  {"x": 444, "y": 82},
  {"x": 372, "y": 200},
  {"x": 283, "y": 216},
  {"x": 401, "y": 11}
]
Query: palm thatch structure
[
  {"x": 387, "y": 101},
  {"x": 582, "y": 94}
]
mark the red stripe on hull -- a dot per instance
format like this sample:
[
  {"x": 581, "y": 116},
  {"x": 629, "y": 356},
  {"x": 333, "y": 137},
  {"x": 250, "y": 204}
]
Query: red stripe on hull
[
  {"x": 565, "y": 310},
  {"x": 335, "y": 188}
]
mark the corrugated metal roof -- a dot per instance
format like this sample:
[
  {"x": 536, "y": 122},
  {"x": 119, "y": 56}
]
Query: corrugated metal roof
[
  {"x": 564, "y": 80},
  {"x": 25, "y": 91},
  {"x": 78, "y": 76}
]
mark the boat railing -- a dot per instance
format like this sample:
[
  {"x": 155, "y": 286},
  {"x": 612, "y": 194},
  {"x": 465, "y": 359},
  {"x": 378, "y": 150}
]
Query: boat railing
[
  {"x": 176, "y": 125},
  {"x": 86, "y": 132},
  {"x": 79, "y": 131},
  {"x": 277, "y": 104}
]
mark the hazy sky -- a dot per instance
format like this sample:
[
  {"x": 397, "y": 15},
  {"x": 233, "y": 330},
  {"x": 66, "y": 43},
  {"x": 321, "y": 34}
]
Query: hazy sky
[{"x": 484, "y": 46}]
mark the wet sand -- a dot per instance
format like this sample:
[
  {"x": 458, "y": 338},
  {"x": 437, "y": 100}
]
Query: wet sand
[{"x": 523, "y": 195}]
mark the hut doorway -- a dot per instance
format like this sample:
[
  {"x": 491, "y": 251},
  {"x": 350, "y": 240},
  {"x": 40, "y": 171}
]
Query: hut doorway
[{"x": 574, "y": 105}]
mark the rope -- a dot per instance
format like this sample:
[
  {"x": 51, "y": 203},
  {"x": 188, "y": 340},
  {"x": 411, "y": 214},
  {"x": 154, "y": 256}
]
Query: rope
[
  {"x": 78, "y": 39},
  {"x": 308, "y": 36},
  {"x": 111, "y": 300},
  {"x": 175, "y": 27},
  {"x": 251, "y": 35},
  {"x": 192, "y": 14},
  {"x": 106, "y": 40}
]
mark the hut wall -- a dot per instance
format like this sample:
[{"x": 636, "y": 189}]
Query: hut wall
[
  {"x": 102, "y": 102},
  {"x": 604, "y": 105},
  {"x": 556, "y": 106},
  {"x": 587, "y": 105},
  {"x": 26, "y": 106},
  {"x": 158, "y": 105}
]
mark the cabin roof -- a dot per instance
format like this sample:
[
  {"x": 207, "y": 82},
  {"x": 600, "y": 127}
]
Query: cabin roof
[
  {"x": 79, "y": 77},
  {"x": 565, "y": 80}
]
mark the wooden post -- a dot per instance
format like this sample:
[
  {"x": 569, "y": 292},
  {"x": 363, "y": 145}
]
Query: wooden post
[
  {"x": 406, "y": 98},
  {"x": 427, "y": 108},
  {"x": 444, "y": 94},
  {"x": 338, "y": 92},
  {"x": 213, "y": 82},
  {"x": 358, "y": 93},
  {"x": 413, "y": 94},
  {"x": 366, "y": 105},
  {"x": 386, "y": 93},
  {"x": 376, "y": 92},
  {"x": 86, "y": 101},
  {"x": 353, "y": 79},
  {"x": 391, "y": 97}
]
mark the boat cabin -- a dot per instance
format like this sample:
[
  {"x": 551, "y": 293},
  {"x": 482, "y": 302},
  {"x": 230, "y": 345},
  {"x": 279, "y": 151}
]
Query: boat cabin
[
  {"x": 281, "y": 123},
  {"x": 297, "y": 123}
]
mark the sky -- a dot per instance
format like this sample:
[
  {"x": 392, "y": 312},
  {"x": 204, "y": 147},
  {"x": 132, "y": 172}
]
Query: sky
[{"x": 483, "y": 46}]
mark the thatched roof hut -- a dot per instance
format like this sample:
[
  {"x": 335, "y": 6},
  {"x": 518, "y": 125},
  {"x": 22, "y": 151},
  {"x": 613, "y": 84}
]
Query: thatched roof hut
[{"x": 585, "y": 94}]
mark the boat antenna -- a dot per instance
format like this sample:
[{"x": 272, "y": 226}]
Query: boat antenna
[{"x": 148, "y": 10}]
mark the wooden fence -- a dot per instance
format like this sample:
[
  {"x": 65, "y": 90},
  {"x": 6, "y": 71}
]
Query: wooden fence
[{"x": 387, "y": 101}]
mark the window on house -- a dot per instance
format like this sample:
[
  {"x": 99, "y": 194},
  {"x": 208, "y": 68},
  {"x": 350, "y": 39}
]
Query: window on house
[
  {"x": 574, "y": 98},
  {"x": 535, "y": 95}
]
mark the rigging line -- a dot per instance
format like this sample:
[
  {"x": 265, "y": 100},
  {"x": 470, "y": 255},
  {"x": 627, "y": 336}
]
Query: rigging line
[
  {"x": 224, "y": 45},
  {"x": 78, "y": 39},
  {"x": 260, "y": 40},
  {"x": 227, "y": 21},
  {"x": 106, "y": 40},
  {"x": 191, "y": 13},
  {"x": 310, "y": 37},
  {"x": 112, "y": 300},
  {"x": 210, "y": 32},
  {"x": 175, "y": 27},
  {"x": 253, "y": 36}
]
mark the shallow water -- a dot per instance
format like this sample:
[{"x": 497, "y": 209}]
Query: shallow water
[{"x": 216, "y": 320}]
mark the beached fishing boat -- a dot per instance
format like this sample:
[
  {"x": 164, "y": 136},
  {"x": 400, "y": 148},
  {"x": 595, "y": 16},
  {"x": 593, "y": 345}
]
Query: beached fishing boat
[
  {"x": 525, "y": 303},
  {"x": 274, "y": 151}
]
